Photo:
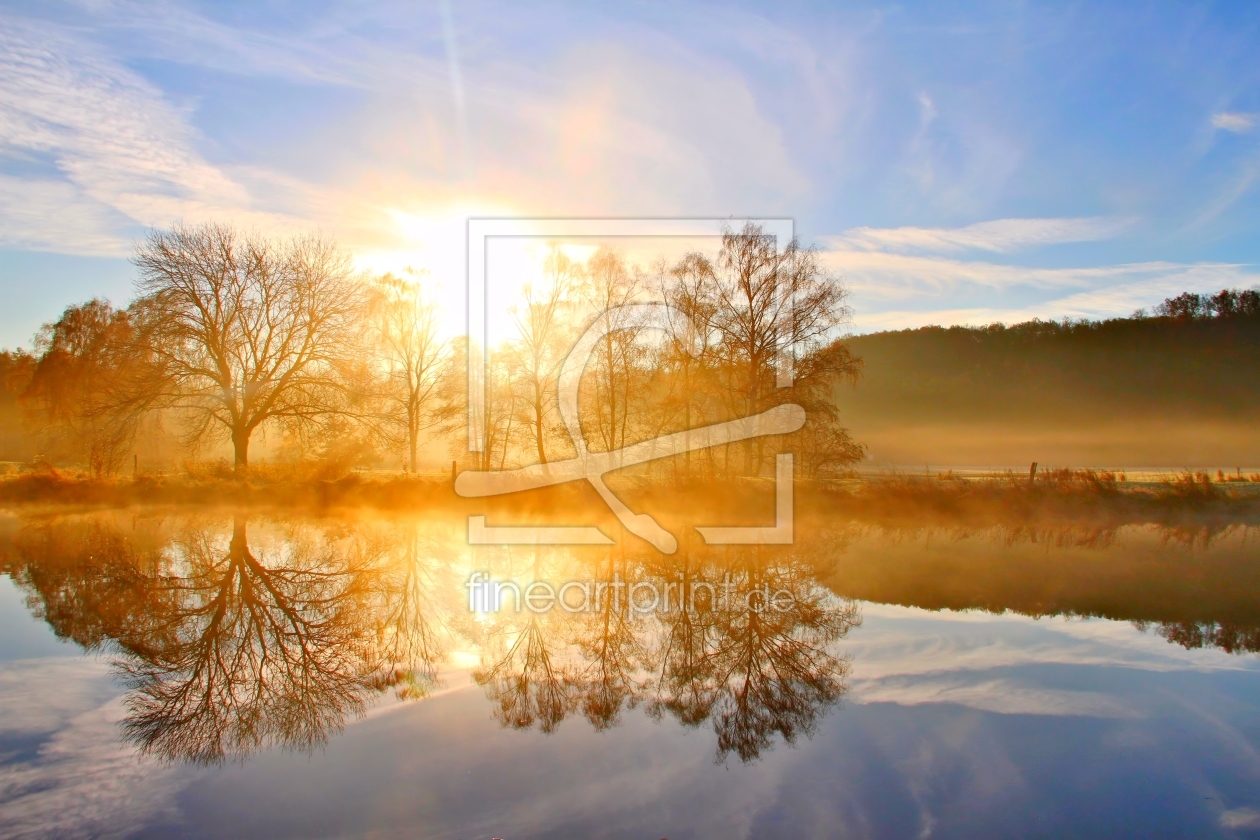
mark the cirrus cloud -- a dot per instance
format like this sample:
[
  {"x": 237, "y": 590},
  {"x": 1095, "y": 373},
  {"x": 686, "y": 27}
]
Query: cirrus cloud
[
  {"x": 911, "y": 277},
  {"x": 999, "y": 235},
  {"x": 1235, "y": 121}
]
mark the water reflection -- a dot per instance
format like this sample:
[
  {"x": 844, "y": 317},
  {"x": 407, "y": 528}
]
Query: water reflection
[
  {"x": 226, "y": 648},
  {"x": 1195, "y": 586},
  {"x": 755, "y": 672},
  {"x": 235, "y": 639},
  {"x": 234, "y": 634},
  {"x": 241, "y": 655}
]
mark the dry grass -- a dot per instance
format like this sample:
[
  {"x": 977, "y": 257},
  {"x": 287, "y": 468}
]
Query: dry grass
[
  {"x": 1054, "y": 495},
  {"x": 1081, "y": 496},
  {"x": 204, "y": 484}
]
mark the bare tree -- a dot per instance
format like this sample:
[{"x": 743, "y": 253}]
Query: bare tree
[
  {"x": 498, "y": 411},
  {"x": 414, "y": 352},
  {"x": 249, "y": 330},
  {"x": 768, "y": 303},
  {"x": 609, "y": 285},
  {"x": 686, "y": 358},
  {"x": 542, "y": 327}
]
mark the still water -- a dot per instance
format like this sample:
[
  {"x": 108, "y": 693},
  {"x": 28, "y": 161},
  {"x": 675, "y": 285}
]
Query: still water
[{"x": 250, "y": 675}]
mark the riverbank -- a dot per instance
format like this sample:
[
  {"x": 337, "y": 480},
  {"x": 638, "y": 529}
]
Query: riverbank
[{"x": 1082, "y": 496}]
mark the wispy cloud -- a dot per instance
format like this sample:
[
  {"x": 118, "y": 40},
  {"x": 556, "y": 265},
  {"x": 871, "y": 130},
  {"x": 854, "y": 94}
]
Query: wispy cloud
[
  {"x": 601, "y": 128},
  {"x": 901, "y": 294},
  {"x": 893, "y": 644},
  {"x": 1244, "y": 818},
  {"x": 110, "y": 131},
  {"x": 41, "y": 695},
  {"x": 126, "y": 155},
  {"x": 991, "y": 695},
  {"x": 48, "y": 215},
  {"x": 910, "y": 277},
  {"x": 331, "y": 50},
  {"x": 81, "y": 781},
  {"x": 999, "y": 235},
  {"x": 1235, "y": 121}
]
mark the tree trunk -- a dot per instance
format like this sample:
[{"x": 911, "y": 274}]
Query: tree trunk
[
  {"x": 239, "y": 546},
  {"x": 751, "y": 465},
  {"x": 240, "y": 449},
  {"x": 412, "y": 435},
  {"x": 687, "y": 426},
  {"x": 538, "y": 439}
]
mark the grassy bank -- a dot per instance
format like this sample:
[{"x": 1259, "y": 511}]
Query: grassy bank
[
  {"x": 1085, "y": 496},
  {"x": 1055, "y": 495}
]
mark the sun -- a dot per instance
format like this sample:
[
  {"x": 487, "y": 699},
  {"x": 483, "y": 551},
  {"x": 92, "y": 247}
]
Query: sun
[{"x": 430, "y": 246}]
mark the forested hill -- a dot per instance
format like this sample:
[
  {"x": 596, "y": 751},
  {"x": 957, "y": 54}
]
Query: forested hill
[{"x": 1181, "y": 388}]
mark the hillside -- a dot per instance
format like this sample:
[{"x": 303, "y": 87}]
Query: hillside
[{"x": 1166, "y": 391}]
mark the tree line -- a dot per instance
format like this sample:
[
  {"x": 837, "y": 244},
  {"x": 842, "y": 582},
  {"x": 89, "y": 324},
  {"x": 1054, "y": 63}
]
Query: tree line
[
  {"x": 1191, "y": 356},
  {"x": 233, "y": 336}
]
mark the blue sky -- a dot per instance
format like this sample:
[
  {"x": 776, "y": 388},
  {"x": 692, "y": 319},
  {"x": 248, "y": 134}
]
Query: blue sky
[{"x": 957, "y": 163}]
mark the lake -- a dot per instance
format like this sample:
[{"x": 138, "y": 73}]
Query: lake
[{"x": 250, "y": 674}]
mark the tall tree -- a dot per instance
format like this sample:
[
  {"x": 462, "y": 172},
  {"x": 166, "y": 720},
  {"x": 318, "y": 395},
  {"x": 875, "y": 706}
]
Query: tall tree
[
  {"x": 686, "y": 357},
  {"x": 249, "y": 329},
  {"x": 498, "y": 411},
  {"x": 414, "y": 353},
  {"x": 610, "y": 284},
  {"x": 541, "y": 343},
  {"x": 769, "y": 303}
]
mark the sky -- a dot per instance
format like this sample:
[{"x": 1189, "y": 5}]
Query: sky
[{"x": 954, "y": 163}]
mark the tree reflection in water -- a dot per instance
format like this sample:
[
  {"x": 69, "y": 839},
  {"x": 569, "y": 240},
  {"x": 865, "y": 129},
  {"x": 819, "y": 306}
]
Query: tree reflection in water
[
  {"x": 1195, "y": 584},
  {"x": 229, "y": 645},
  {"x": 1225, "y": 636},
  {"x": 227, "y": 650},
  {"x": 250, "y": 654},
  {"x": 233, "y": 639},
  {"x": 540, "y": 668},
  {"x": 613, "y": 649},
  {"x": 754, "y": 671},
  {"x": 530, "y": 685},
  {"x": 768, "y": 672}
]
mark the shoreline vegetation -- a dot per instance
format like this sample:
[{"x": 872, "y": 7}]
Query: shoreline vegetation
[{"x": 1064, "y": 496}]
